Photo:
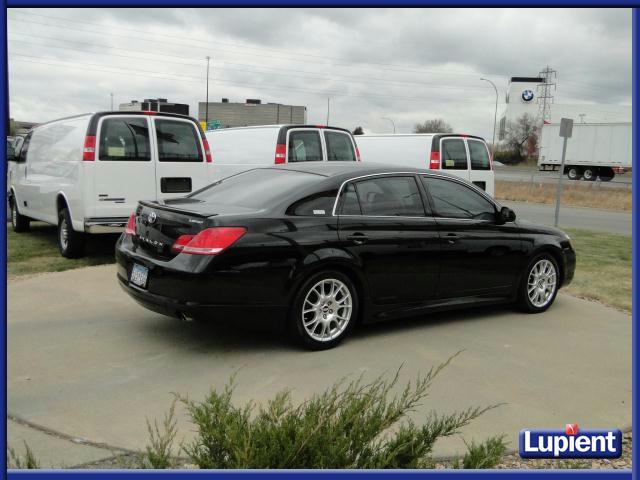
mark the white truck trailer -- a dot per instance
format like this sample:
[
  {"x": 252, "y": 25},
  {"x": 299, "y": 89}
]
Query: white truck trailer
[{"x": 594, "y": 150}]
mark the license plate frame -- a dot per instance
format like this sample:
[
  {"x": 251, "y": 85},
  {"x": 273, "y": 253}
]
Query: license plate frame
[{"x": 139, "y": 275}]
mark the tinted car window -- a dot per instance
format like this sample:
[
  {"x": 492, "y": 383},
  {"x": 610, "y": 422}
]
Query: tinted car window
[
  {"x": 454, "y": 155},
  {"x": 177, "y": 141},
  {"x": 305, "y": 146},
  {"x": 350, "y": 203},
  {"x": 320, "y": 203},
  {"x": 390, "y": 196},
  {"x": 339, "y": 147},
  {"x": 454, "y": 200},
  {"x": 259, "y": 188},
  {"x": 479, "y": 155},
  {"x": 124, "y": 139}
]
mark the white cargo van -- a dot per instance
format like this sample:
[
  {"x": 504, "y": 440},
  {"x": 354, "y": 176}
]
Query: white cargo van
[
  {"x": 238, "y": 149},
  {"x": 465, "y": 156},
  {"x": 87, "y": 173}
]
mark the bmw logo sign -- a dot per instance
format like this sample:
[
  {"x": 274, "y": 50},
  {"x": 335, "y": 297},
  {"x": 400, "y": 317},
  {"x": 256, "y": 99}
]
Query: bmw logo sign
[{"x": 527, "y": 95}]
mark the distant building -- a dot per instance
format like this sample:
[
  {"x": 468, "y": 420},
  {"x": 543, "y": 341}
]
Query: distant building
[
  {"x": 522, "y": 97},
  {"x": 252, "y": 112},
  {"x": 17, "y": 127},
  {"x": 155, "y": 105}
]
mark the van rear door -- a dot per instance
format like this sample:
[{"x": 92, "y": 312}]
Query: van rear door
[
  {"x": 454, "y": 156},
  {"x": 124, "y": 169},
  {"x": 181, "y": 161},
  {"x": 481, "y": 168}
]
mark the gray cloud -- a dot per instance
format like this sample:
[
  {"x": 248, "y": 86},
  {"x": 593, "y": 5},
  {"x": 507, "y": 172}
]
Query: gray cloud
[{"x": 410, "y": 64}]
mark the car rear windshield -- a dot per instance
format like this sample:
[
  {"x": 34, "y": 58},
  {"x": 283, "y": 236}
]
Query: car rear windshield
[
  {"x": 178, "y": 141},
  {"x": 259, "y": 188}
]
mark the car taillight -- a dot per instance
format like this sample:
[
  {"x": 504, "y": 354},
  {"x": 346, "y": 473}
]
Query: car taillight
[
  {"x": 89, "y": 150},
  {"x": 210, "y": 241},
  {"x": 281, "y": 153},
  {"x": 358, "y": 155},
  {"x": 434, "y": 161},
  {"x": 130, "y": 229},
  {"x": 207, "y": 151}
]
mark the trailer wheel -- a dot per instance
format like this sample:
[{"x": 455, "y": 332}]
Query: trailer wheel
[
  {"x": 574, "y": 173},
  {"x": 589, "y": 174},
  {"x": 606, "y": 174}
]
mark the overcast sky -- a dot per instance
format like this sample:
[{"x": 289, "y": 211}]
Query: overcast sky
[{"x": 406, "y": 64}]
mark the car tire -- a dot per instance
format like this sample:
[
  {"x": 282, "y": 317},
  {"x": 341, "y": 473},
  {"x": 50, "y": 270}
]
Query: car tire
[
  {"x": 19, "y": 223},
  {"x": 324, "y": 310},
  {"x": 574, "y": 173},
  {"x": 539, "y": 284},
  {"x": 70, "y": 242},
  {"x": 589, "y": 174}
]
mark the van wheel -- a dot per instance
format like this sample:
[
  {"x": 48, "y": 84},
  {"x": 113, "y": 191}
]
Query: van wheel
[
  {"x": 20, "y": 223},
  {"x": 539, "y": 285},
  {"x": 70, "y": 242},
  {"x": 573, "y": 173},
  {"x": 324, "y": 311}
]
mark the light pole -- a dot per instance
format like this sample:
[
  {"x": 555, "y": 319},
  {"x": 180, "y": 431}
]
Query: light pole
[
  {"x": 328, "y": 99},
  {"x": 495, "y": 116},
  {"x": 111, "y": 94},
  {"x": 392, "y": 123},
  {"x": 206, "y": 108}
]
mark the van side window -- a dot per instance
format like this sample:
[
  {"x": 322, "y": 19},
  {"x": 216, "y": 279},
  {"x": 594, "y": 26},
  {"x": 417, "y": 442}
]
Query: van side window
[
  {"x": 454, "y": 155},
  {"x": 304, "y": 146},
  {"x": 339, "y": 147},
  {"x": 479, "y": 155},
  {"x": 177, "y": 141},
  {"x": 454, "y": 200},
  {"x": 318, "y": 204},
  {"x": 124, "y": 139}
]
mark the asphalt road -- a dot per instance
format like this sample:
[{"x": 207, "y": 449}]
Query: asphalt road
[
  {"x": 609, "y": 221},
  {"x": 524, "y": 174},
  {"x": 86, "y": 361}
]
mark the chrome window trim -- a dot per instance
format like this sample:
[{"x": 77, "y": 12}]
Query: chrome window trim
[{"x": 471, "y": 187}]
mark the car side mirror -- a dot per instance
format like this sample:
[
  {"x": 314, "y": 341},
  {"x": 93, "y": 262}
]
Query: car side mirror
[{"x": 506, "y": 215}]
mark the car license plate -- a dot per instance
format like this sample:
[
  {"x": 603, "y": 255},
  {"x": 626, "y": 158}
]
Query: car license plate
[{"x": 139, "y": 275}]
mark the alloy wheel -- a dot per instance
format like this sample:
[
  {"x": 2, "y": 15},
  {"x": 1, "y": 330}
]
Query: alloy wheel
[
  {"x": 541, "y": 285},
  {"x": 327, "y": 309},
  {"x": 64, "y": 234}
]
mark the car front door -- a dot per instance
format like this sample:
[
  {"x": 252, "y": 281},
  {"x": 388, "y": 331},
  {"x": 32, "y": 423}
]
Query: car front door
[
  {"x": 382, "y": 222},
  {"x": 479, "y": 255}
]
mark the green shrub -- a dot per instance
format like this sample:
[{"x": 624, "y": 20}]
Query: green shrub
[
  {"x": 158, "y": 453},
  {"x": 350, "y": 425},
  {"x": 28, "y": 461},
  {"x": 483, "y": 455}
]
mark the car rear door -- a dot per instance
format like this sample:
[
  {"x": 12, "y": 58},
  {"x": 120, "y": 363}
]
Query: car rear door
[
  {"x": 382, "y": 222},
  {"x": 480, "y": 162},
  {"x": 124, "y": 169},
  {"x": 181, "y": 166}
]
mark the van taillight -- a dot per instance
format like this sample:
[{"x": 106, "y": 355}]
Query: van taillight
[
  {"x": 207, "y": 151},
  {"x": 89, "y": 150},
  {"x": 281, "y": 153},
  {"x": 434, "y": 161},
  {"x": 210, "y": 241},
  {"x": 358, "y": 155},
  {"x": 130, "y": 229}
]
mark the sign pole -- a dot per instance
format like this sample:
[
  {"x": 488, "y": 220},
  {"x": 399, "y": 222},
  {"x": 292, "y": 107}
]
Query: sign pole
[{"x": 566, "y": 128}]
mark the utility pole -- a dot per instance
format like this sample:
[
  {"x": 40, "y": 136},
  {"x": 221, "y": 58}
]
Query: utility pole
[
  {"x": 546, "y": 90},
  {"x": 206, "y": 107},
  {"x": 582, "y": 115},
  {"x": 328, "y": 111},
  {"x": 566, "y": 128},
  {"x": 392, "y": 123},
  {"x": 495, "y": 117},
  {"x": 111, "y": 101}
]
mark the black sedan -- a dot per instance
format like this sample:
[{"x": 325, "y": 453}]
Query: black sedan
[{"x": 319, "y": 248}]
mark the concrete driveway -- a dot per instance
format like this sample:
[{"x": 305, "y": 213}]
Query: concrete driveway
[{"x": 86, "y": 361}]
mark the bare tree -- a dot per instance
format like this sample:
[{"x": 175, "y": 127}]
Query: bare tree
[
  {"x": 358, "y": 131},
  {"x": 521, "y": 136},
  {"x": 436, "y": 125}
]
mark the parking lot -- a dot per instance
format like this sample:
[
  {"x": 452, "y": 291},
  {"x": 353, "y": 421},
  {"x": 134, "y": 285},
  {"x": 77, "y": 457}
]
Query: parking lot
[{"x": 86, "y": 361}]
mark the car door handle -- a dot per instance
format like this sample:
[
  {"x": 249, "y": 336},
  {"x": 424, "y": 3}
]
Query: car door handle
[
  {"x": 358, "y": 238},
  {"x": 451, "y": 238}
]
